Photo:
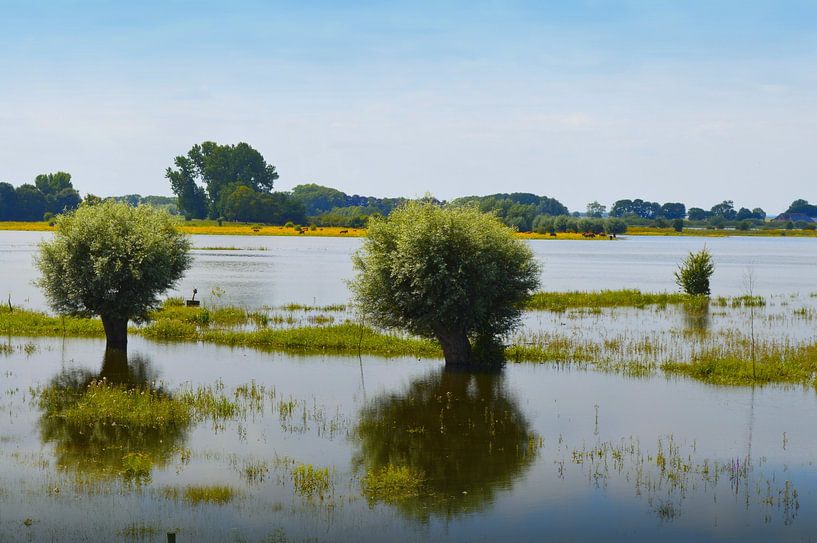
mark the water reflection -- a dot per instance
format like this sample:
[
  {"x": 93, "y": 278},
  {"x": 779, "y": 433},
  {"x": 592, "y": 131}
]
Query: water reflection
[
  {"x": 98, "y": 446},
  {"x": 463, "y": 433},
  {"x": 696, "y": 318}
]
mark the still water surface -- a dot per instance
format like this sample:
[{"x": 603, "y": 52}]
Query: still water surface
[
  {"x": 277, "y": 270},
  {"x": 536, "y": 452}
]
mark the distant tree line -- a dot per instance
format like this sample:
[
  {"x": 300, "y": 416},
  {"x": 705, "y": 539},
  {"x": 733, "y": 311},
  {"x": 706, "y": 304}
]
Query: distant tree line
[
  {"x": 518, "y": 210},
  {"x": 231, "y": 182},
  {"x": 235, "y": 183},
  {"x": 51, "y": 193}
]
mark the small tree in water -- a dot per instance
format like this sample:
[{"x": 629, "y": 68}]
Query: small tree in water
[
  {"x": 694, "y": 272},
  {"x": 112, "y": 260},
  {"x": 453, "y": 274}
]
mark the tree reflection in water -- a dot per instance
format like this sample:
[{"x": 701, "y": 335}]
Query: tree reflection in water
[
  {"x": 462, "y": 433},
  {"x": 101, "y": 448},
  {"x": 696, "y": 319}
]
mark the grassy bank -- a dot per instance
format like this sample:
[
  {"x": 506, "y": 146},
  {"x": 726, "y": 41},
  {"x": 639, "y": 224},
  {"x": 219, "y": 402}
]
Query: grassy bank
[
  {"x": 715, "y": 233},
  {"x": 211, "y": 228}
]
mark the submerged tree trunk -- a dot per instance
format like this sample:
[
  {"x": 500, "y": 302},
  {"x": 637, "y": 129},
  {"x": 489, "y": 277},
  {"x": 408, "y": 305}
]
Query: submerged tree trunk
[
  {"x": 456, "y": 347},
  {"x": 116, "y": 332}
]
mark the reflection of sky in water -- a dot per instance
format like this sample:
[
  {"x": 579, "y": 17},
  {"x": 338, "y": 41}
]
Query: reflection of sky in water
[
  {"x": 558, "y": 404},
  {"x": 314, "y": 270}
]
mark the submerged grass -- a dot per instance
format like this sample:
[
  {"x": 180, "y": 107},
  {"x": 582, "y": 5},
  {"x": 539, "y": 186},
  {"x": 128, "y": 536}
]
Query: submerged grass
[
  {"x": 110, "y": 405},
  {"x": 134, "y": 408},
  {"x": 736, "y": 362},
  {"x": 561, "y": 301},
  {"x": 392, "y": 484},
  {"x": 21, "y": 322}
]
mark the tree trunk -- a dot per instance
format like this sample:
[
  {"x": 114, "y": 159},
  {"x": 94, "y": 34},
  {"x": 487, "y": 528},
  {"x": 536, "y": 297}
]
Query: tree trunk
[
  {"x": 116, "y": 332},
  {"x": 456, "y": 347},
  {"x": 115, "y": 367}
]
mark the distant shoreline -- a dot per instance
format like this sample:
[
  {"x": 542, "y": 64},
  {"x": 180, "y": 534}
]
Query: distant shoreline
[{"x": 241, "y": 229}]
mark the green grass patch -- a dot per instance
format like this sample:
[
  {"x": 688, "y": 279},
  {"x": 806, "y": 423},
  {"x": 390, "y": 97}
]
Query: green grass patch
[
  {"x": 23, "y": 322},
  {"x": 201, "y": 494},
  {"x": 561, "y": 301},
  {"x": 392, "y": 484},
  {"x": 310, "y": 481},
  {"x": 774, "y": 362},
  {"x": 111, "y": 405}
]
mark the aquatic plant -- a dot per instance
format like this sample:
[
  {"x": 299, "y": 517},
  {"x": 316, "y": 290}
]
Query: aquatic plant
[
  {"x": 561, "y": 301},
  {"x": 310, "y": 481},
  {"x": 392, "y": 484}
]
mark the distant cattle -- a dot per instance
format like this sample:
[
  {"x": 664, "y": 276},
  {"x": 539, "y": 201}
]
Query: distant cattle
[{"x": 343, "y": 232}]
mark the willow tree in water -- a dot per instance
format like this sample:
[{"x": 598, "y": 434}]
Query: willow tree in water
[
  {"x": 453, "y": 274},
  {"x": 113, "y": 261}
]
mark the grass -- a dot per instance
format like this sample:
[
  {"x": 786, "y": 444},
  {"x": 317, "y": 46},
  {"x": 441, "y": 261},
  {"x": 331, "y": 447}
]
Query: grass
[
  {"x": 310, "y": 481},
  {"x": 715, "y": 233},
  {"x": 109, "y": 405},
  {"x": 392, "y": 484},
  {"x": 561, "y": 301},
  {"x": 134, "y": 408},
  {"x": 724, "y": 357},
  {"x": 20, "y": 322},
  {"x": 201, "y": 494},
  {"x": 730, "y": 363}
]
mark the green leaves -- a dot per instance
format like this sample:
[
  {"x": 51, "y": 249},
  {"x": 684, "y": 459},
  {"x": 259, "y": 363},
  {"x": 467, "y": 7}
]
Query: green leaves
[
  {"x": 694, "y": 272},
  {"x": 427, "y": 267},
  {"x": 111, "y": 259}
]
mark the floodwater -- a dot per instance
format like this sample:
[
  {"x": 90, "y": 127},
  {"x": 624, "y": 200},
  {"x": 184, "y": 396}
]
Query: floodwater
[
  {"x": 534, "y": 452},
  {"x": 274, "y": 271}
]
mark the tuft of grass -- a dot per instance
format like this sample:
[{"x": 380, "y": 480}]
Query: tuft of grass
[
  {"x": 139, "y": 531},
  {"x": 392, "y": 484},
  {"x": 310, "y": 481},
  {"x": 111, "y": 405},
  {"x": 170, "y": 330},
  {"x": 209, "y": 494}
]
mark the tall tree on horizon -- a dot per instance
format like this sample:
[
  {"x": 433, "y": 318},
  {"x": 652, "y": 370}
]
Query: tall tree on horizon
[{"x": 200, "y": 176}]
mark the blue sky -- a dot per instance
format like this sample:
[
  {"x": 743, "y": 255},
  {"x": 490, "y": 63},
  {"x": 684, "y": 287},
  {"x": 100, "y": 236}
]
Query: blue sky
[{"x": 684, "y": 100}]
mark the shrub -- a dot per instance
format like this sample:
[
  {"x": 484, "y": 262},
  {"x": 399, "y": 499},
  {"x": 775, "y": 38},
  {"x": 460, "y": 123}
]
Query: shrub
[
  {"x": 678, "y": 225},
  {"x": 694, "y": 272}
]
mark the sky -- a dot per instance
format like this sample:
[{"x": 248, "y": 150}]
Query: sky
[{"x": 684, "y": 100}]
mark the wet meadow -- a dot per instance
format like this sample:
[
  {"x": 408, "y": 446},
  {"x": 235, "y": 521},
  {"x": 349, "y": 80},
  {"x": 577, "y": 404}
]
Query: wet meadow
[{"x": 272, "y": 413}]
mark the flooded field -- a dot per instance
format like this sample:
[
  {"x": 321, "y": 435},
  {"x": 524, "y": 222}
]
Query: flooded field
[
  {"x": 232, "y": 444},
  {"x": 256, "y": 271}
]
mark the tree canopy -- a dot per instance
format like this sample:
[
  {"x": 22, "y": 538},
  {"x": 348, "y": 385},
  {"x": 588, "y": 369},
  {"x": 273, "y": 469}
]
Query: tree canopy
[
  {"x": 451, "y": 273},
  {"x": 112, "y": 260},
  {"x": 51, "y": 193},
  {"x": 200, "y": 176},
  {"x": 802, "y": 206}
]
